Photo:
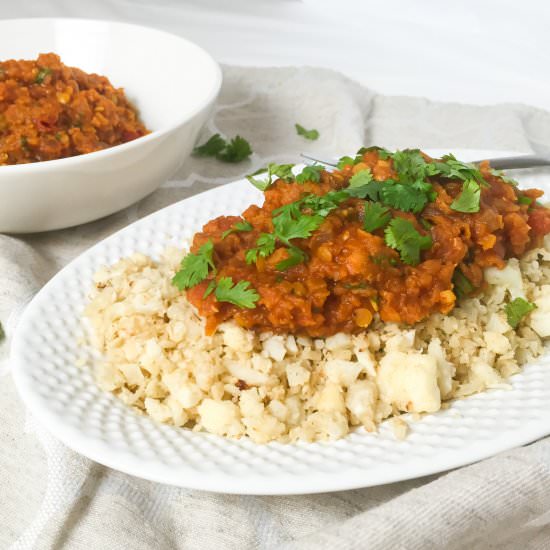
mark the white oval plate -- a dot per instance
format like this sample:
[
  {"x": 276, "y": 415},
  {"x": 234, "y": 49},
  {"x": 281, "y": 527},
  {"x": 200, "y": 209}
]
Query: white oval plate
[{"x": 65, "y": 398}]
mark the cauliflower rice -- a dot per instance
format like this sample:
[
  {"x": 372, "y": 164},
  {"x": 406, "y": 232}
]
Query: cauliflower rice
[{"x": 268, "y": 387}]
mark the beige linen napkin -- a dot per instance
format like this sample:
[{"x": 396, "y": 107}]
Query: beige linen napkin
[{"x": 51, "y": 497}]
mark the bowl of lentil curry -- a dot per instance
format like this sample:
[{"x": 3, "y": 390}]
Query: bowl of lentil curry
[
  {"x": 49, "y": 111},
  {"x": 93, "y": 117}
]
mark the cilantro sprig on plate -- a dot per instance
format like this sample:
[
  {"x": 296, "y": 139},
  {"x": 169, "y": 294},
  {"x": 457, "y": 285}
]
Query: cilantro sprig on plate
[
  {"x": 235, "y": 150},
  {"x": 195, "y": 267},
  {"x": 243, "y": 226}
]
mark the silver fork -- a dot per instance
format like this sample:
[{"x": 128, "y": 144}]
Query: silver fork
[{"x": 503, "y": 163}]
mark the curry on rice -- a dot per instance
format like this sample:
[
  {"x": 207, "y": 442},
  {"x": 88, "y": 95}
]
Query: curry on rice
[
  {"x": 398, "y": 234},
  {"x": 50, "y": 111}
]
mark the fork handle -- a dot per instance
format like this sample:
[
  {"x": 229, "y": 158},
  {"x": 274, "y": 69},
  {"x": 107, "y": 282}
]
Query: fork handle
[{"x": 524, "y": 161}]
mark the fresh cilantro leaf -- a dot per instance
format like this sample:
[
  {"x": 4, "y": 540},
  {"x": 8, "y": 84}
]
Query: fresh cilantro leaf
[
  {"x": 308, "y": 134},
  {"x": 236, "y": 150},
  {"x": 376, "y": 216},
  {"x": 360, "y": 179},
  {"x": 525, "y": 200},
  {"x": 403, "y": 237},
  {"x": 195, "y": 267},
  {"x": 324, "y": 204},
  {"x": 265, "y": 246},
  {"x": 295, "y": 256},
  {"x": 42, "y": 74},
  {"x": 2, "y": 333},
  {"x": 468, "y": 200},
  {"x": 239, "y": 226},
  {"x": 209, "y": 289},
  {"x": 287, "y": 228},
  {"x": 403, "y": 197},
  {"x": 282, "y": 171},
  {"x": 384, "y": 154},
  {"x": 425, "y": 224},
  {"x": 461, "y": 283},
  {"x": 345, "y": 161},
  {"x": 451, "y": 168},
  {"x": 504, "y": 178},
  {"x": 211, "y": 148},
  {"x": 369, "y": 191},
  {"x": 310, "y": 173},
  {"x": 517, "y": 309},
  {"x": 239, "y": 294},
  {"x": 410, "y": 165}
]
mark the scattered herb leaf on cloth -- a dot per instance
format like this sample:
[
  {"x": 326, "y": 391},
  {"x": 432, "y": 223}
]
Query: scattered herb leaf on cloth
[
  {"x": 236, "y": 150},
  {"x": 308, "y": 134}
]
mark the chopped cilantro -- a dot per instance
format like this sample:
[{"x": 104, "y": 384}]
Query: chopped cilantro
[
  {"x": 411, "y": 197},
  {"x": 468, "y": 200},
  {"x": 310, "y": 173},
  {"x": 345, "y": 161},
  {"x": 525, "y": 200},
  {"x": 211, "y": 148},
  {"x": 308, "y": 134},
  {"x": 324, "y": 204},
  {"x": 295, "y": 256},
  {"x": 195, "y": 267},
  {"x": 461, "y": 283},
  {"x": 42, "y": 74},
  {"x": 517, "y": 309},
  {"x": 376, "y": 216},
  {"x": 265, "y": 246},
  {"x": 403, "y": 237},
  {"x": 360, "y": 179},
  {"x": 239, "y": 226},
  {"x": 288, "y": 228},
  {"x": 236, "y": 150},
  {"x": 503, "y": 177},
  {"x": 451, "y": 168},
  {"x": 282, "y": 171},
  {"x": 209, "y": 289},
  {"x": 239, "y": 294}
]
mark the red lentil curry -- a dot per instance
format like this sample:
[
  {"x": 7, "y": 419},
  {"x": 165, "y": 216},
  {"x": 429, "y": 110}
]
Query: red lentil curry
[
  {"x": 51, "y": 111},
  {"x": 399, "y": 234}
]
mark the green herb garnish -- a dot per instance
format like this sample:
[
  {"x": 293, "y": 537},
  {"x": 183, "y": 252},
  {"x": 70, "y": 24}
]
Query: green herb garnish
[
  {"x": 310, "y": 173},
  {"x": 236, "y": 150},
  {"x": 2, "y": 333},
  {"x": 503, "y": 177},
  {"x": 517, "y": 309},
  {"x": 376, "y": 216},
  {"x": 295, "y": 256},
  {"x": 42, "y": 74},
  {"x": 308, "y": 134},
  {"x": 240, "y": 294},
  {"x": 461, "y": 284},
  {"x": 195, "y": 267},
  {"x": 525, "y": 200},
  {"x": 282, "y": 171},
  {"x": 362, "y": 178},
  {"x": 468, "y": 200},
  {"x": 239, "y": 226},
  {"x": 403, "y": 237},
  {"x": 345, "y": 161}
]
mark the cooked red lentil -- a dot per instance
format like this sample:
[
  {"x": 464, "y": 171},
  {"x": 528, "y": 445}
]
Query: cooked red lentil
[
  {"x": 395, "y": 234},
  {"x": 50, "y": 111}
]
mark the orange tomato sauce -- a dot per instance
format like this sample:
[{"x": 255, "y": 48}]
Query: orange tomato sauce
[{"x": 351, "y": 274}]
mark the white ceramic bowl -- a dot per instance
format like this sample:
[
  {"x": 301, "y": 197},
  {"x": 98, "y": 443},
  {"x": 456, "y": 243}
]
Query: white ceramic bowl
[{"x": 173, "y": 83}]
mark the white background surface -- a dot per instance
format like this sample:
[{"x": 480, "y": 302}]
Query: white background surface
[{"x": 470, "y": 51}]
